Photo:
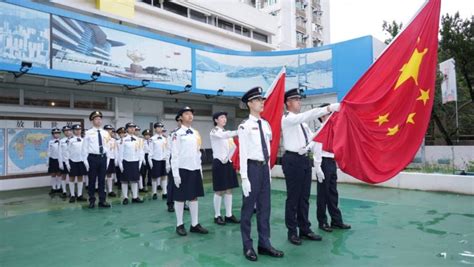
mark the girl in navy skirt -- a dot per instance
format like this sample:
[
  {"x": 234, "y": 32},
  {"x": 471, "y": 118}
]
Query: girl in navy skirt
[
  {"x": 224, "y": 177},
  {"x": 187, "y": 172},
  {"x": 75, "y": 164},
  {"x": 53, "y": 161}
]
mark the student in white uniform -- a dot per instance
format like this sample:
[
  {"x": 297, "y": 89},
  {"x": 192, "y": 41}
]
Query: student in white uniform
[
  {"x": 142, "y": 166},
  {"x": 130, "y": 160},
  {"x": 121, "y": 133},
  {"x": 53, "y": 161},
  {"x": 63, "y": 143},
  {"x": 145, "y": 171},
  {"x": 224, "y": 177},
  {"x": 75, "y": 164},
  {"x": 112, "y": 148},
  {"x": 158, "y": 160},
  {"x": 187, "y": 171}
]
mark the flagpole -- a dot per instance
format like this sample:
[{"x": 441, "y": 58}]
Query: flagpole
[{"x": 457, "y": 121}]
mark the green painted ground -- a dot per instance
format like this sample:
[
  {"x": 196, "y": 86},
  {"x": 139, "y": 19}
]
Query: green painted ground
[{"x": 390, "y": 228}]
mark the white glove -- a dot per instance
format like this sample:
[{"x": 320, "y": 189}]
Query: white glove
[
  {"x": 61, "y": 167},
  {"x": 121, "y": 166},
  {"x": 177, "y": 181},
  {"x": 302, "y": 151},
  {"x": 86, "y": 163},
  {"x": 246, "y": 188},
  {"x": 68, "y": 167},
  {"x": 107, "y": 164},
  {"x": 150, "y": 163},
  {"x": 335, "y": 107},
  {"x": 319, "y": 173},
  {"x": 168, "y": 168}
]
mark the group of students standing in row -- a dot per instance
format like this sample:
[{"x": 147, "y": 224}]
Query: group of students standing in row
[{"x": 175, "y": 160}]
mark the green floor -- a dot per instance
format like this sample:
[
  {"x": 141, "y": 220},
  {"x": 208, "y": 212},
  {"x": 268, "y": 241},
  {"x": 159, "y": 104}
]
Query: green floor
[{"x": 390, "y": 228}]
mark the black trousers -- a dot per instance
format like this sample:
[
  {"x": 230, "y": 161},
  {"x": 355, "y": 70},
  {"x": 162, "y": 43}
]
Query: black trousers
[
  {"x": 259, "y": 177},
  {"x": 328, "y": 197},
  {"x": 170, "y": 186},
  {"x": 145, "y": 171},
  {"x": 297, "y": 170},
  {"x": 97, "y": 169}
]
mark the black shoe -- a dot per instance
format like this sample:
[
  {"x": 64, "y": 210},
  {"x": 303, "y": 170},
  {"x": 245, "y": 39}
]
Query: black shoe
[
  {"x": 143, "y": 190},
  {"x": 72, "y": 200},
  {"x": 155, "y": 197},
  {"x": 58, "y": 191},
  {"x": 137, "y": 200},
  {"x": 81, "y": 199},
  {"x": 52, "y": 192},
  {"x": 186, "y": 207},
  {"x": 342, "y": 226},
  {"x": 104, "y": 205},
  {"x": 63, "y": 195},
  {"x": 198, "y": 229},
  {"x": 181, "y": 231},
  {"x": 255, "y": 210},
  {"x": 325, "y": 227},
  {"x": 164, "y": 196},
  {"x": 271, "y": 251},
  {"x": 250, "y": 255},
  {"x": 112, "y": 194},
  {"x": 219, "y": 220},
  {"x": 91, "y": 205},
  {"x": 125, "y": 201},
  {"x": 170, "y": 208},
  {"x": 311, "y": 236},
  {"x": 159, "y": 187},
  {"x": 294, "y": 239},
  {"x": 231, "y": 219}
]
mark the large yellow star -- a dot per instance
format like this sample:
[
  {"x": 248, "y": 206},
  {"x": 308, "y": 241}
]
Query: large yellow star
[
  {"x": 411, "y": 68},
  {"x": 424, "y": 96},
  {"x": 393, "y": 131},
  {"x": 410, "y": 118},
  {"x": 382, "y": 119}
]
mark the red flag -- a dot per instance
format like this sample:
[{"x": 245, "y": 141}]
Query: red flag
[
  {"x": 272, "y": 112},
  {"x": 384, "y": 117}
]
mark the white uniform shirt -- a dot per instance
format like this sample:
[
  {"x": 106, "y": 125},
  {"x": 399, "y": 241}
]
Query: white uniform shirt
[
  {"x": 131, "y": 148},
  {"x": 291, "y": 127},
  {"x": 159, "y": 148},
  {"x": 53, "y": 149},
  {"x": 186, "y": 150},
  {"x": 222, "y": 144},
  {"x": 91, "y": 142},
  {"x": 63, "y": 144},
  {"x": 250, "y": 145},
  {"x": 74, "y": 149},
  {"x": 112, "y": 148}
]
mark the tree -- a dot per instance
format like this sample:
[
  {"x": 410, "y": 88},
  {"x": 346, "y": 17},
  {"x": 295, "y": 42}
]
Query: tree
[{"x": 391, "y": 29}]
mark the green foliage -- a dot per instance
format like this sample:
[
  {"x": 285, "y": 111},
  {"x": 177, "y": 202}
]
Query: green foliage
[{"x": 392, "y": 29}]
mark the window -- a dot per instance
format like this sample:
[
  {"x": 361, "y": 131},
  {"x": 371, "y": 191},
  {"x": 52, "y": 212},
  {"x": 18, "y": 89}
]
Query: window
[
  {"x": 93, "y": 102},
  {"x": 299, "y": 37},
  {"x": 195, "y": 15},
  {"x": 245, "y": 32},
  {"x": 9, "y": 96},
  {"x": 238, "y": 29},
  {"x": 152, "y": 2},
  {"x": 225, "y": 25},
  {"x": 175, "y": 8},
  {"x": 260, "y": 36},
  {"x": 52, "y": 99}
]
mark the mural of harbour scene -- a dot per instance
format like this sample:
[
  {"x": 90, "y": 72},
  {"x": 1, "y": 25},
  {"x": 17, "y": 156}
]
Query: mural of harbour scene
[
  {"x": 239, "y": 73},
  {"x": 84, "y": 47},
  {"x": 24, "y": 35}
]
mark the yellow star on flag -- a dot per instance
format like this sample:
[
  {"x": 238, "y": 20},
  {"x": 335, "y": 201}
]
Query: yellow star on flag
[
  {"x": 382, "y": 119},
  {"x": 410, "y": 69},
  {"x": 393, "y": 131},
  {"x": 410, "y": 118},
  {"x": 424, "y": 95}
]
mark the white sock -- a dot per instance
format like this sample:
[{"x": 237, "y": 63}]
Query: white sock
[
  {"x": 153, "y": 186},
  {"x": 228, "y": 204},
  {"x": 97, "y": 183},
  {"x": 63, "y": 185},
  {"x": 134, "y": 190},
  {"x": 159, "y": 180},
  {"x": 217, "y": 205},
  {"x": 164, "y": 186},
  {"x": 124, "y": 190},
  {"x": 53, "y": 183},
  {"x": 114, "y": 176},
  {"x": 79, "y": 189},
  {"x": 140, "y": 183},
  {"x": 58, "y": 182},
  {"x": 86, "y": 181},
  {"x": 179, "y": 209},
  {"x": 71, "y": 189},
  {"x": 109, "y": 184},
  {"x": 193, "y": 209}
]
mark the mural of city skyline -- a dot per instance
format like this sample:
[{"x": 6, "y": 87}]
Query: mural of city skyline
[{"x": 24, "y": 35}]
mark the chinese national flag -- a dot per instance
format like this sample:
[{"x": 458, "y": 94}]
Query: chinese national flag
[
  {"x": 384, "y": 117},
  {"x": 272, "y": 112}
]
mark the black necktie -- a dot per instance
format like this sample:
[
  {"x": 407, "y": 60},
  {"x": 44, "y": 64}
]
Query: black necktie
[
  {"x": 132, "y": 139},
  {"x": 159, "y": 138},
  {"x": 189, "y": 131},
  {"x": 305, "y": 135},
  {"x": 262, "y": 140},
  {"x": 101, "y": 147}
]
